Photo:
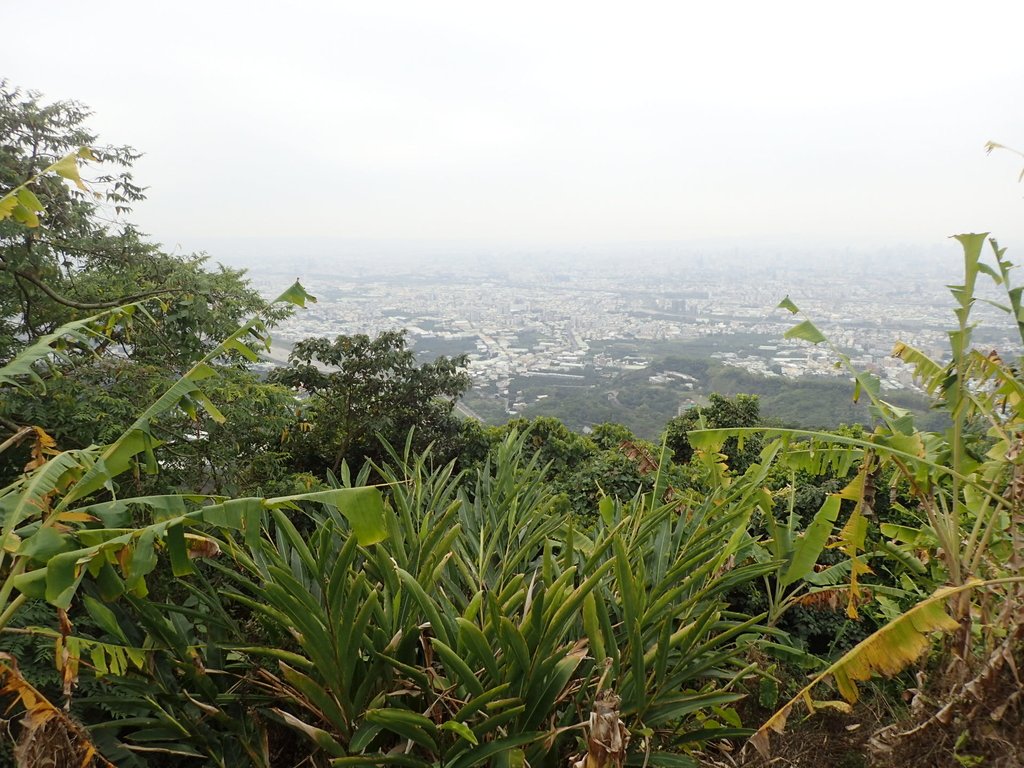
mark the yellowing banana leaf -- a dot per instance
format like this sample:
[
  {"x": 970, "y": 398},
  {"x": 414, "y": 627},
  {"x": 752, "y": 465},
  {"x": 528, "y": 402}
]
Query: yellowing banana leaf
[{"x": 887, "y": 651}]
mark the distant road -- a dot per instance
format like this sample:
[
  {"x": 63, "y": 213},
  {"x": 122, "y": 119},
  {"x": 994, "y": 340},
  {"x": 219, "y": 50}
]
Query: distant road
[
  {"x": 468, "y": 412},
  {"x": 278, "y": 354}
]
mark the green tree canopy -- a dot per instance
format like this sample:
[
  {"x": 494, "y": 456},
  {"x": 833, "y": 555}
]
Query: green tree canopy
[
  {"x": 78, "y": 254},
  {"x": 362, "y": 390},
  {"x": 720, "y": 412},
  {"x": 83, "y": 255}
]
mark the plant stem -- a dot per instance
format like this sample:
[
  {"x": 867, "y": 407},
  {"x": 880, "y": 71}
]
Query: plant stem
[{"x": 11, "y": 609}]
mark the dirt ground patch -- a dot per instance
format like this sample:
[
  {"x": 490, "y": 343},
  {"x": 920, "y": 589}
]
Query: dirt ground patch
[{"x": 976, "y": 722}]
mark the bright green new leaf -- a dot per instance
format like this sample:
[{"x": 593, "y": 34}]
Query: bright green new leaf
[
  {"x": 25, "y": 216},
  {"x": 297, "y": 295},
  {"x": 708, "y": 439},
  {"x": 787, "y": 304},
  {"x": 592, "y": 627},
  {"x": 28, "y": 199},
  {"x": 67, "y": 167},
  {"x": 99, "y": 660},
  {"x": 7, "y": 204},
  {"x": 460, "y": 728},
  {"x": 242, "y": 349},
  {"x": 214, "y": 412},
  {"x": 806, "y": 331}
]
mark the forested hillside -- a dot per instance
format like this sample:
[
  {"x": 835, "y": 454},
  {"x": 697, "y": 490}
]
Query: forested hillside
[
  {"x": 631, "y": 398},
  {"x": 326, "y": 566}
]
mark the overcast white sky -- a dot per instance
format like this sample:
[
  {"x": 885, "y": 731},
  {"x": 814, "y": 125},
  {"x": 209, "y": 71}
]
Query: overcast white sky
[{"x": 548, "y": 122}]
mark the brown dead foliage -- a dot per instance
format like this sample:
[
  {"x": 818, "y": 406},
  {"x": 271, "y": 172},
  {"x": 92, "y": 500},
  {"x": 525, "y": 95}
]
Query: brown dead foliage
[
  {"x": 951, "y": 720},
  {"x": 834, "y": 600},
  {"x": 607, "y": 736},
  {"x": 963, "y": 720},
  {"x": 645, "y": 462},
  {"x": 47, "y": 737}
]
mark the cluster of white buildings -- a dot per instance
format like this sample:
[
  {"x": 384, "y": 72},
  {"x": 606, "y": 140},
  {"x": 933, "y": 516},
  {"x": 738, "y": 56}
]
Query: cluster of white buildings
[{"x": 524, "y": 322}]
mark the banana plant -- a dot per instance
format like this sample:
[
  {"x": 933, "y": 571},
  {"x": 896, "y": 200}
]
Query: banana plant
[
  {"x": 967, "y": 484},
  {"x": 63, "y": 521},
  {"x": 887, "y": 651},
  {"x": 49, "y": 538}
]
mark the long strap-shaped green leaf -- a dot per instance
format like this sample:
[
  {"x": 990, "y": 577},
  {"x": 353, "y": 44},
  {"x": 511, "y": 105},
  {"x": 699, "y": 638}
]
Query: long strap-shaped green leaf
[
  {"x": 127, "y": 444},
  {"x": 23, "y": 364},
  {"x": 59, "y": 578},
  {"x": 712, "y": 439}
]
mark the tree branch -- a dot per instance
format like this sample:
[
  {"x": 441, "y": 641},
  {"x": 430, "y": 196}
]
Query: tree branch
[
  {"x": 78, "y": 304},
  {"x": 11, "y": 425}
]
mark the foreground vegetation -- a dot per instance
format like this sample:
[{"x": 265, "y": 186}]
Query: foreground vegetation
[{"x": 200, "y": 567}]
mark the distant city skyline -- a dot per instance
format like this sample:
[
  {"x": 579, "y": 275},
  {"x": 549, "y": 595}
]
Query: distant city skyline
[
  {"x": 408, "y": 126},
  {"x": 640, "y": 261}
]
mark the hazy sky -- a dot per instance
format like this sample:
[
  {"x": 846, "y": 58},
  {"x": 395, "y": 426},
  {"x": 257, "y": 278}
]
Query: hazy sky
[{"x": 548, "y": 122}]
